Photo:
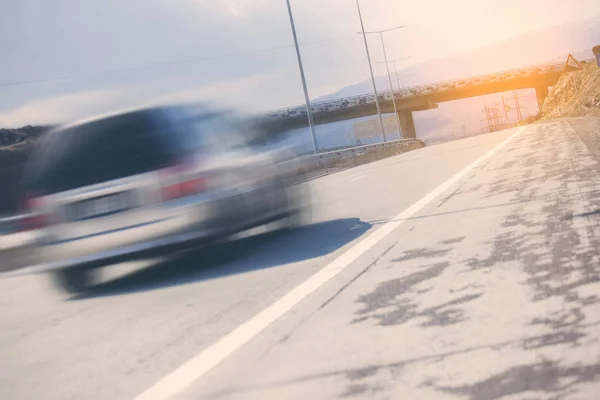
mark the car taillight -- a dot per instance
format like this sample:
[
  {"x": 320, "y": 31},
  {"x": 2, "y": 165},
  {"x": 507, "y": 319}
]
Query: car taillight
[
  {"x": 34, "y": 222},
  {"x": 184, "y": 188},
  {"x": 182, "y": 183},
  {"x": 34, "y": 215}
]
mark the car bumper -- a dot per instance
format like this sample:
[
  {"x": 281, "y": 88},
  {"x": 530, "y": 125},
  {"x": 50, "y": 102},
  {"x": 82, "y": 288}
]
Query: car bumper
[
  {"x": 16, "y": 251},
  {"x": 172, "y": 228},
  {"x": 145, "y": 249}
]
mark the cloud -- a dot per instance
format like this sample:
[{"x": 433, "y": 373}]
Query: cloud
[
  {"x": 49, "y": 110},
  {"x": 235, "y": 8},
  {"x": 72, "y": 106},
  {"x": 85, "y": 38},
  {"x": 224, "y": 92},
  {"x": 244, "y": 9},
  {"x": 45, "y": 39}
]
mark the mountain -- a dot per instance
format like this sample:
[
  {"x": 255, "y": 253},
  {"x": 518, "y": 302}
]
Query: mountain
[
  {"x": 462, "y": 118},
  {"x": 548, "y": 45},
  {"x": 9, "y": 137}
]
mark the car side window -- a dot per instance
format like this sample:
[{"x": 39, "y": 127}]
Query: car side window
[
  {"x": 215, "y": 133},
  {"x": 200, "y": 135},
  {"x": 100, "y": 151},
  {"x": 228, "y": 134}
]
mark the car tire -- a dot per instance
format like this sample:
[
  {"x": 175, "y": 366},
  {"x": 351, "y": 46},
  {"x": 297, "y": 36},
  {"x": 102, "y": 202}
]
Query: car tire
[
  {"x": 74, "y": 280},
  {"x": 297, "y": 207},
  {"x": 297, "y": 216},
  {"x": 299, "y": 210},
  {"x": 283, "y": 225}
]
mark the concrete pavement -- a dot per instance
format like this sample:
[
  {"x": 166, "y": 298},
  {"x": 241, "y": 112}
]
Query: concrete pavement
[
  {"x": 487, "y": 291},
  {"x": 490, "y": 292}
]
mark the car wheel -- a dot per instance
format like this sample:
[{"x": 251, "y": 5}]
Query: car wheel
[
  {"x": 74, "y": 280},
  {"x": 299, "y": 205},
  {"x": 296, "y": 209},
  {"x": 297, "y": 216}
]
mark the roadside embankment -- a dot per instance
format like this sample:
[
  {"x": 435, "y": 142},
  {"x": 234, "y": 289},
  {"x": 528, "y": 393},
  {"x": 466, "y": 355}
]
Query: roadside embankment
[{"x": 576, "y": 94}]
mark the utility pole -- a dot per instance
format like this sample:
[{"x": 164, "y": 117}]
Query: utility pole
[
  {"x": 485, "y": 119},
  {"x": 396, "y": 72},
  {"x": 492, "y": 116},
  {"x": 497, "y": 117},
  {"x": 396, "y": 68},
  {"x": 311, "y": 121},
  {"x": 517, "y": 106},
  {"x": 505, "y": 108}
]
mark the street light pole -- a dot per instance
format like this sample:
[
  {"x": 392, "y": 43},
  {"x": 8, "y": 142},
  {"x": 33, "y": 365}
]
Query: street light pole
[
  {"x": 311, "y": 122},
  {"x": 362, "y": 28},
  {"x": 396, "y": 69},
  {"x": 396, "y": 72},
  {"x": 388, "y": 70},
  {"x": 387, "y": 66}
]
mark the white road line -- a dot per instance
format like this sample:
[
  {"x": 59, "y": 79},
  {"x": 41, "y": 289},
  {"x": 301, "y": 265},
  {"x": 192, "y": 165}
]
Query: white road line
[
  {"x": 356, "y": 178},
  {"x": 185, "y": 375}
]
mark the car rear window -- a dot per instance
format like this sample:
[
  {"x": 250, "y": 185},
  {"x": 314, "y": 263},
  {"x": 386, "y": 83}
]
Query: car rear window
[{"x": 100, "y": 151}]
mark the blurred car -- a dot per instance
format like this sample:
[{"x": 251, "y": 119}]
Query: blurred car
[{"x": 124, "y": 185}]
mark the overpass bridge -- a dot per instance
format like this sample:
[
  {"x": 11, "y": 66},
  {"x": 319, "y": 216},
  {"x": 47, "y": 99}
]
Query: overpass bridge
[{"x": 419, "y": 98}]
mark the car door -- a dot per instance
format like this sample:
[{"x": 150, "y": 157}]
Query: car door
[{"x": 252, "y": 169}]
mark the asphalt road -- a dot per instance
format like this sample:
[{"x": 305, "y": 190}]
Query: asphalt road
[{"x": 467, "y": 270}]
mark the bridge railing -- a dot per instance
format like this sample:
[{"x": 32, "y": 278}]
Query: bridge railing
[
  {"x": 419, "y": 90},
  {"x": 478, "y": 79}
]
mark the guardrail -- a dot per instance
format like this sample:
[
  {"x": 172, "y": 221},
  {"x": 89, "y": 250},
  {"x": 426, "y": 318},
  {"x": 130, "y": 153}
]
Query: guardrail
[{"x": 320, "y": 164}]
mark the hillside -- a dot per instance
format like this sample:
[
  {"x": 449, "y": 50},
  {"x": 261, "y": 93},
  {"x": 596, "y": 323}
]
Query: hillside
[
  {"x": 576, "y": 94},
  {"x": 9, "y": 137}
]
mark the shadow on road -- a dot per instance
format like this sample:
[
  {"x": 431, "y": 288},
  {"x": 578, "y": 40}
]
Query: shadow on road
[
  {"x": 544, "y": 376},
  {"x": 547, "y": 377},
  {"x": 266, "y": 250},
  {"x": 548, "y": 232}
]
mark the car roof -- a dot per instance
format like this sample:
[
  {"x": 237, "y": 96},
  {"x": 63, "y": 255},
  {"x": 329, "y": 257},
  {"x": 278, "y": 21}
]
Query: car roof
[{"x": 199, "y": 109}]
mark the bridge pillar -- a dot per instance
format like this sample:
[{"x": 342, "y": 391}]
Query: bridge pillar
[
  {"x": 541, "y": 92},
  {"x": 407, "y": 125}
]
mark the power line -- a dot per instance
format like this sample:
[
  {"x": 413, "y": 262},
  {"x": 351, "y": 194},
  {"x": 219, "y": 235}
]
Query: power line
[{"x": 164, "y": 63}]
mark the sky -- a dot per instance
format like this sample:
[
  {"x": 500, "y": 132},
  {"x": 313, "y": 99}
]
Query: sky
[{"x": 68, "y": 59}]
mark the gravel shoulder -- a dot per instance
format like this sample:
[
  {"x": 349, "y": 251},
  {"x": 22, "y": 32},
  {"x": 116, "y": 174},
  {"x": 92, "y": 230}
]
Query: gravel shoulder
[{"x": 588, "y": 130}]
